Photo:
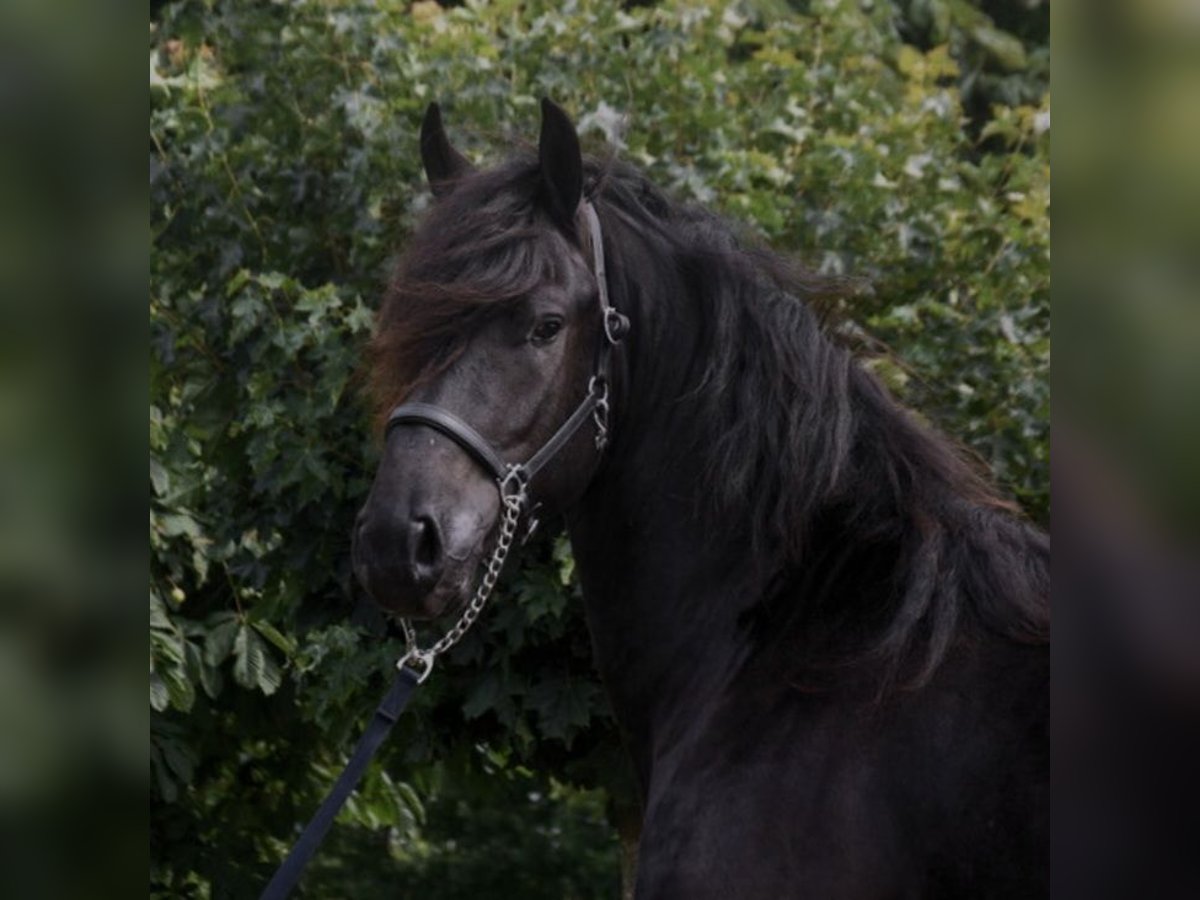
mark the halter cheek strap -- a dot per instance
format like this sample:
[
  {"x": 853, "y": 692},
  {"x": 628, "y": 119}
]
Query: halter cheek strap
[{"x": 512, "y": 479}]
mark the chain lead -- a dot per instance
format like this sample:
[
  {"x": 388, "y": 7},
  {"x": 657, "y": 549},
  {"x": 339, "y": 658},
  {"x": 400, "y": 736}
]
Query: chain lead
[{"x": 422, "y": 660}]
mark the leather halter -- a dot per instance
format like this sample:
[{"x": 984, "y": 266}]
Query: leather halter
[{"x": 512, "y": 479}]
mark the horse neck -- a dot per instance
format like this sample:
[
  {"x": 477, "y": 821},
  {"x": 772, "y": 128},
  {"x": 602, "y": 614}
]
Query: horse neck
[
  {"x": 662, "y": 591},
  {"x": 674, "y": 594},
  {"x": 662, "y": 597}
]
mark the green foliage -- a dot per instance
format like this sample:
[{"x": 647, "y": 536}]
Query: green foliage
[
  {"x": 499, "y": 833},
  {"x": 905, "y": 143}
]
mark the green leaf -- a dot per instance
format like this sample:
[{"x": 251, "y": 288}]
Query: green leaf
[
  {"x": 160, "y": 697},
  {"x": 565, "y": 560},
  {"x": 207, "y": 676},
  {"x": 1001, "y": 46},
  {"x": 219, "y": 643},
  {"x": 158, "y": 614},
  {"x": 563, "y": 705},
  {"x": 177, "y": 523},
  {"x": 180, "y": 691},
  {"x": 271, "y": 676},
  {"x": 272, "y": 634},
  {"x": 160, "y": 480},
  {"x": 179, "y": 760},
  {"x": 248, "y": 657},
  {"x": 253, "y": 666},
  {"x": 167, "y": 788},
  {"x": 483, "y": 696}
]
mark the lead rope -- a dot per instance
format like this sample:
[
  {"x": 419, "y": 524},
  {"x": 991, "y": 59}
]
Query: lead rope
[
  {"x": 421, "y": 661},
  {"x": 413, "y": 668}
]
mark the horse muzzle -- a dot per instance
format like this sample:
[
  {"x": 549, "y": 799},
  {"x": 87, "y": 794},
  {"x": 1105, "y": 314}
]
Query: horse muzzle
[{"x": 413, "y": 561}]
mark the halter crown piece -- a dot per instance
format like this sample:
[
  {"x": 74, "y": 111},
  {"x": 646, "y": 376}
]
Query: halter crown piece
[{"x": 512, "y": 479}]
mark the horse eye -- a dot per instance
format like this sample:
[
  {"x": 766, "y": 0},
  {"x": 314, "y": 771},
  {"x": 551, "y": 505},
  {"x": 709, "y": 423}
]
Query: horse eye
[{"x": 545, "y": 331}]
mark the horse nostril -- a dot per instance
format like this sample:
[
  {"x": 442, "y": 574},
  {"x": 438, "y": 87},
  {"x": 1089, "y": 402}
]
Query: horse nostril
[{"x": 426, "y": 546}]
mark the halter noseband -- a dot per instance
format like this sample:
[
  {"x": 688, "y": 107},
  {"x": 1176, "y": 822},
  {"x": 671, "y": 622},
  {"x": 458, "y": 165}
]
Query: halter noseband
[{"x": 512, "y": 479}]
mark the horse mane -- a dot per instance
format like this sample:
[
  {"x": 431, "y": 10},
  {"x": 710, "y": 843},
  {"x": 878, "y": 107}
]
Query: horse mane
[
  {"x": 885, "y": 534},
  {"x": 877, "y": 525}
]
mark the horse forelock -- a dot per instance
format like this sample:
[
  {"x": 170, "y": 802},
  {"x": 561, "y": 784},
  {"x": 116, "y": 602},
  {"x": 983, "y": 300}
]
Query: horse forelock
[{"x": 480, "y": 249}]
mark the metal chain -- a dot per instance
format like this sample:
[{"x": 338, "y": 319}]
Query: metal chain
[
  {"x": 598, "y": 388},
  {"x": 513, "y": 505}
]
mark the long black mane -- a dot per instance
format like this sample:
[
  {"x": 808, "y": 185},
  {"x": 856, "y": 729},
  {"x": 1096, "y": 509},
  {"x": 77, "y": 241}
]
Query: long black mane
[{"x": 878, "y": 536}]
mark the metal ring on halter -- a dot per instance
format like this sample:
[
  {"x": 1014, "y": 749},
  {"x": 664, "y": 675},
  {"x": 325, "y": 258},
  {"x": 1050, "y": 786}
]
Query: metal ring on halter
[
  {"x": 616, "y": 325},
  {"x": 424, "y": 660}
]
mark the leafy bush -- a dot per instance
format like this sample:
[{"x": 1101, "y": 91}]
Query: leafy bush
[{"x": 284, "y": 173}]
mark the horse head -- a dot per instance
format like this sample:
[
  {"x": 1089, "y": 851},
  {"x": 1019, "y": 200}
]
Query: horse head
[{"x": 489, "y": 339}]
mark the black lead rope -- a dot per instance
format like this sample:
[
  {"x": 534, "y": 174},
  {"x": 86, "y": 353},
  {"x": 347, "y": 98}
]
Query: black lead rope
[
  {"x": 385, "y": 717},
  {"x": 512, "y": 479}
]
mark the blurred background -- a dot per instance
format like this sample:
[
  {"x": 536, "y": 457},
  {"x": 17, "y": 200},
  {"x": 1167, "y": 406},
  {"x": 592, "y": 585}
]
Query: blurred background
[
  {"x": 1126, "y": 658},
  {"x": 72, "y": 385},
  {"x": 906, "y": 142}
]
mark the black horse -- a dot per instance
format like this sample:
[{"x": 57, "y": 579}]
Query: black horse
[{"x": 823, "y": 634}]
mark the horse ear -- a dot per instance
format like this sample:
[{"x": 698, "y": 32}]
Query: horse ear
[
  {"x": 443, "y": 164},
  {"x": 561, "y": 164}
]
